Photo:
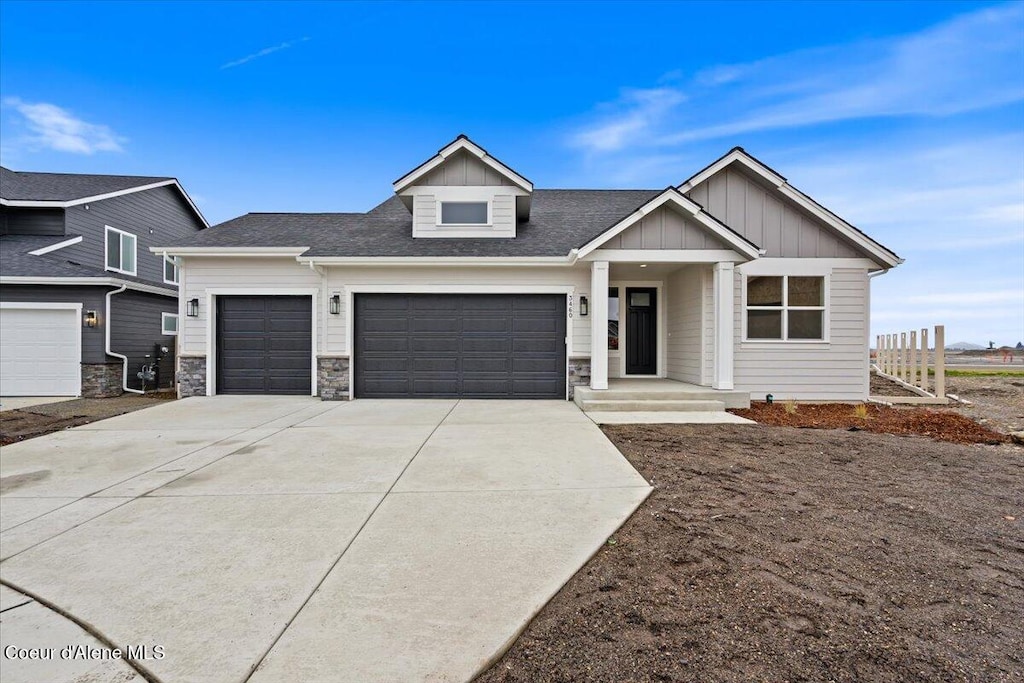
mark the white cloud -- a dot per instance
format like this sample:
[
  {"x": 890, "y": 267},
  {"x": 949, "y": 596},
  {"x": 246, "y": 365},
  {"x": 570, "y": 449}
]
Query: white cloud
[
  {"x": 52, "y": 127},
  {"x": 969, "y": 63},
  {"x": 263, "y": 53}
]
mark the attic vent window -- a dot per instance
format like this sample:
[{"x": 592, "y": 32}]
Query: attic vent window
[{"x": 465, "y": 213}]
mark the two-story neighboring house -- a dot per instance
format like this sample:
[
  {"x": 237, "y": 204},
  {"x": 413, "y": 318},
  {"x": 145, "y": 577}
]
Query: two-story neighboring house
[
  {"x": 469, "y": 282},
  {"x": 84, "y": 303}
]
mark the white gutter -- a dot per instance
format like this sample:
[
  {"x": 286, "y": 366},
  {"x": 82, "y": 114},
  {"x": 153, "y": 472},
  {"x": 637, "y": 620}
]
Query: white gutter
[
  {"x": 124, "y": 359},
  {"x": 86, "y": 281},
  {"x": 438, "y": 260}
]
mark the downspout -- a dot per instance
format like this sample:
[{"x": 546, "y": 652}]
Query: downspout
[{"x": 124, "y": 359}]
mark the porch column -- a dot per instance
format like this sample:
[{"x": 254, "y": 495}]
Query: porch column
[
  {"x": 724, "y": 297},
  {"x": 599, "y": 325}
]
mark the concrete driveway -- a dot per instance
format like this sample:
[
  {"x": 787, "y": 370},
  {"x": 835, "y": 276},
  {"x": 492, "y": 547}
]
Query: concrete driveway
[{"x": 280, "y": 538}]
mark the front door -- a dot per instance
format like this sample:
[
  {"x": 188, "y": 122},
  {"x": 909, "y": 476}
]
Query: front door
[{"x": 641, "y": 331}]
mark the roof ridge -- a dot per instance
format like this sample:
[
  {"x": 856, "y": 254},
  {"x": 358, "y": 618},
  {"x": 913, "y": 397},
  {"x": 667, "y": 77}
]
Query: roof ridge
[{"x": 99, "y": 175}]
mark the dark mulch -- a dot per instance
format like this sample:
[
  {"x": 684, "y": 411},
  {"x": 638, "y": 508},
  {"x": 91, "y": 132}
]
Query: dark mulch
[
  {"x": 27, "y": 423},
  {"x": 939, "y": 424},
  {"x": 778, "y": 554}
]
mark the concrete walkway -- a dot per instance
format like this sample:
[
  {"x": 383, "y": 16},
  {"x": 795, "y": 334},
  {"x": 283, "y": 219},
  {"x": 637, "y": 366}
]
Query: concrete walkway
[
  {"x": 277, "y": 538},
  {"x": 21, "y": 402}
]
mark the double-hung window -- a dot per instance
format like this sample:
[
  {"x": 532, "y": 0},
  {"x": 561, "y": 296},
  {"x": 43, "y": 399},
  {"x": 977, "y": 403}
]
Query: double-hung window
[
  {"x": 785, "y": 308},
  {"x": 170, "y": 270},
  {"x": 120, "y": 248}
]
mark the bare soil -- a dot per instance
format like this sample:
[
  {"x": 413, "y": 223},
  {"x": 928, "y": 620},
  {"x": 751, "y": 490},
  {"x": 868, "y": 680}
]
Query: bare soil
[
  {"x": 27, "y": 423},
  {"x": 940, "y": 424},
  {"x": 783, "y": 554},
  {"x": 996, "y": 402},
  {"x": 881, "y": 386}
]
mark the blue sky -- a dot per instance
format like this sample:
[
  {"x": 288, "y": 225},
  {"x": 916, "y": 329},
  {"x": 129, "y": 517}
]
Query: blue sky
[{"x": 905, "y": 118}]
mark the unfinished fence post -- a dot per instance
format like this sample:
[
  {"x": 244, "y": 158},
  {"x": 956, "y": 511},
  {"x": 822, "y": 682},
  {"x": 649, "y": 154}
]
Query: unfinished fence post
[
  {"x": 903, "y": 357},
  {"x": 878, "y": 351},
  {"x": 940, "y": 361},
  {"x": 912, "y": 359},
  {"x": 888, "y": 354},
  {"x": 924, "y": 358}
]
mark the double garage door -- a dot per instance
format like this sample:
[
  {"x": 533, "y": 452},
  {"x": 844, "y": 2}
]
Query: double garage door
[{"x": 406, "y": 345}]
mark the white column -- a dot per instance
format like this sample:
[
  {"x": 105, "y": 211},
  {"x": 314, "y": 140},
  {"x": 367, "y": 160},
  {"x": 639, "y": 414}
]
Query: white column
[
  {"x": 724, "y": 296},
  {"x": 599, "y": 325}
]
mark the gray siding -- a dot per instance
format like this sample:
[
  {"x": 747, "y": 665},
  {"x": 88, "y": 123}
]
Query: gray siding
[
  {"x": 91, "y": 298},
  {"x": 135, "y": 317},
  {"x": 769, "y": 221},
  {"x": 463, "y": 169},
  {"x": 665, "y": 228},
  {"x": 156, "y": 217},
  {"x": 24, "y": 221},
  {"x": 685, "y": 319}
]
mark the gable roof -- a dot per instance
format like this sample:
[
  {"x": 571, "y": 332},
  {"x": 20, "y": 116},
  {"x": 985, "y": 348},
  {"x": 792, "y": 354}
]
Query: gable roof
[
  {"x": 561, "y": 221},
  {"x": 671, "y": 195},
  {"x": 738, "y": 155},
  {"x": 461, "y": 143},
  {"x": 62, "y": 190}
]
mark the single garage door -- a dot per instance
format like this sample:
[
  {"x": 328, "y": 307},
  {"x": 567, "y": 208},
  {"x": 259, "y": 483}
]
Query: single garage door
[
  {"x": 40, "y": 352},
  {"x": 264, "y": 344},
  {"x": 459, "y": 345}
]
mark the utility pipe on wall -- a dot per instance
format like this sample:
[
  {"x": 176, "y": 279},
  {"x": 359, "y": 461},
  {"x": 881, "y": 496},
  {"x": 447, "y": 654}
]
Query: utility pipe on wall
[{"x": 124, "y": 359}]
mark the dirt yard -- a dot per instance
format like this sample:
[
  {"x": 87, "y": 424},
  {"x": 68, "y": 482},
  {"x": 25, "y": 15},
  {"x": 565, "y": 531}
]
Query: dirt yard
[
  {"x": 996, "y": 402},
  {"x": 18, "y": 425},
  {"x": 782, "y": 554}
]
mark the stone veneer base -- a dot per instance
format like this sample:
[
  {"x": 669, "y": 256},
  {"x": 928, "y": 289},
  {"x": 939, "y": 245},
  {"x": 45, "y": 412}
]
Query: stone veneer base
[
  {"x": 579, "y": 374},
  {"x": 101, "y": 380},
  {"x": 191, "y": 376},
  {"x": 332, "y": 379}
]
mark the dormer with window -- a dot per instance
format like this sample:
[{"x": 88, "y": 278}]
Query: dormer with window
[{"x": 463, "y": 191}]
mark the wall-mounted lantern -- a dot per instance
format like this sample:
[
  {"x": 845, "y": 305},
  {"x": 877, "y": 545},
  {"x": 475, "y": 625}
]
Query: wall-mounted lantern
[
  {"x": 192, "y": 308},
  {"x": 335, "y": 304},
  {"x": 90, "y": 319},
  {"x": 584, "y": 306}
]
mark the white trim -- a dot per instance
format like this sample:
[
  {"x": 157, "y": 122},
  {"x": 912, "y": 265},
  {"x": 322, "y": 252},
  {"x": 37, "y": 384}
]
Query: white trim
[
  {"x": 724, "y": 283},
  {"x": 886, "y": 257},
  {"x": 802, "y": 266},
  {"x": 826, "y": 310},
  {"x": 230, "y": 251},
  {"x": 439, "y": 260},
  {"x": 672, "y": 195},
  {"x": 55, "y": 247},
  {"x": 107, "y": 229},
  {"x": 681, "y": 256},
  {"x": 76, "y": 307},
  {"x": 163, "y": 323},
  {"x": 211, "y": 324},
  {"x": 54, "y": 204},
  {"x": 86, "y": 281},
  {"x": 460, "y": 143},
  {"x": 350, "y": 291},
  {"x": 599, "y": 274},
  {"x": 486, "y": 202}
]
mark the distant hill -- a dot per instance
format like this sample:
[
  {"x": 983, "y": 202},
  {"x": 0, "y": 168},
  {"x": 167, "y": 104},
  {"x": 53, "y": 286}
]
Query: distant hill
[{"x": 964, "y": 346}]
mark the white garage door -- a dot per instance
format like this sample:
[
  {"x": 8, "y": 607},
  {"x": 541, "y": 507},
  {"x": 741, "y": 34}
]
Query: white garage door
[{"x": 40, "y": 350}]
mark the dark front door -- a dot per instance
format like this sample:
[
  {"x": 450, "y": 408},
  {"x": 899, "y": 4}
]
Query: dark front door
[
  {"x": 460, "y": 345},
  {"x": 264, "y": 345},
  {"x": 641, "y": 331}
]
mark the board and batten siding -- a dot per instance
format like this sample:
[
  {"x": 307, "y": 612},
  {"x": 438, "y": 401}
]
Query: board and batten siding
[
  {"x": 91, "y": 298},
  {"x": 463, "y": 169},
  {"x": 255, "y": 275},
  {"x": 836, "y": 370},
  {"x": 772, "y": 223},
  {"x": 135, "y": 319},
  {"x": 684, "y": 309},
  {"x": 339, "y": 279},
  {"x": 665, "y": 228},
  {"x": 156, "y": 217}
]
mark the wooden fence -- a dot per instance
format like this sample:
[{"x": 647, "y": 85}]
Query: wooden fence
[{"x": 906, "y": 358}]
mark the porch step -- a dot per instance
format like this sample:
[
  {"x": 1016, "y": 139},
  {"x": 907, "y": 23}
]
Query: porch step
[
  {"x": 651, "y": 405},
  {"x": 730, "y": 399}
]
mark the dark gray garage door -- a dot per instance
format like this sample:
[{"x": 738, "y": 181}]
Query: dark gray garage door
[
  {"x": 465, "y": 345},
  {"x": 264, "y": 344}
]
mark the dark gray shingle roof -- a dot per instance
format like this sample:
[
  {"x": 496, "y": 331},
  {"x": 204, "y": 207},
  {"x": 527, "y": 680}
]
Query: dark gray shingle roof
[
  {"x": 64, "y": 187},
  {"x": 560, "y": 220}
]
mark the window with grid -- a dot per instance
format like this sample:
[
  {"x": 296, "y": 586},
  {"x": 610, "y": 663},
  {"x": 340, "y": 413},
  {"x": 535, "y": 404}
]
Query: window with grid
[{"x": 785, "y": 308}]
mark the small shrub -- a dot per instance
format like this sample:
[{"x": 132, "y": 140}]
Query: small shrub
[
  {"x": 790, "y": 407},
  {"x": 861, "y": 411}
]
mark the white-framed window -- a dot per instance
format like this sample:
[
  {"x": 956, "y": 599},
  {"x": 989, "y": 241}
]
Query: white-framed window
[
  {"x": 464, "y": 213},
  {"x": 169, "y": 323},
  {"x": 120, "y": 249},
  {"x": 170, "y": 270},
  {"x": 785, "y": 308}
]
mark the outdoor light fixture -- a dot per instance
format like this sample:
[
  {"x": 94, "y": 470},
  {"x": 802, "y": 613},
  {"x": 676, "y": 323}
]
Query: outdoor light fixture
[
  {"x": 643, "y": 265},
  {"x": 90, "y": 319},
  {"x": 192, "y": 308},
  {"x": 584, "y": 306},
  {"x": 336, "y": 304}
]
